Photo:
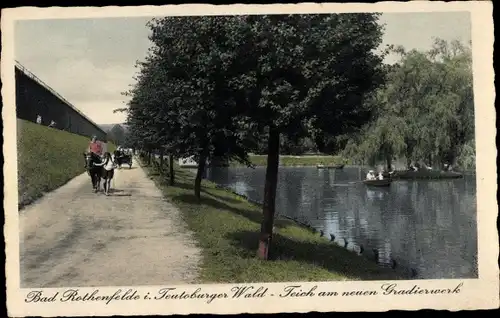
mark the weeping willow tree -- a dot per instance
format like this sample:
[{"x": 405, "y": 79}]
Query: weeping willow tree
[
  {"x": 382, "y": 139},
  {"x": 425, "y": 112}
]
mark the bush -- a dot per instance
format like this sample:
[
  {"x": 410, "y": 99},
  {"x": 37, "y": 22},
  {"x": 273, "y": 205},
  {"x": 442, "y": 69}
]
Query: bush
[{"x": 467, "y": 156}]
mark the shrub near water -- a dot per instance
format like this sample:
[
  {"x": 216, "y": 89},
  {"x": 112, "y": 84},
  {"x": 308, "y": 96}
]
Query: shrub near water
[
  {"x": 226, "y": 228},
  {"x": 47, "y": 158}
]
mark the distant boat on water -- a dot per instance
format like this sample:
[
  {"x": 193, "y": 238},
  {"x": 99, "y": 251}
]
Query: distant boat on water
[
  {"x": 426, "y": 174},
  {"x": 188, "y": 163},
  {"x": 341, "y": 166}
]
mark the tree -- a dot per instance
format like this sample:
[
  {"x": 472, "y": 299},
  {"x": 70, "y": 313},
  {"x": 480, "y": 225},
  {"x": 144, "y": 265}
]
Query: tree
[
  {"x": 118, "y": 134},
  {"x": 382, "y": 138},
  {"x": 146, "y": 128},
  {"x": 425, "y": 111},
  {"x": 307, "y": 74},
  {"x": 185, "y": 94}
]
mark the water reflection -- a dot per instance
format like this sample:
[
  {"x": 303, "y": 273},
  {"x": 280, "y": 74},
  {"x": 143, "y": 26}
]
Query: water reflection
[{"x": 428, "y": 226}]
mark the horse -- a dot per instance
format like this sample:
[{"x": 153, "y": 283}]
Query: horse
[
  {"x": 94, "y": 172},
  {"x": 121, "y": 158}
]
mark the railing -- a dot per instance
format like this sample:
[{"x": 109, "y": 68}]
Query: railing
[{"x": 42, "y": 83}]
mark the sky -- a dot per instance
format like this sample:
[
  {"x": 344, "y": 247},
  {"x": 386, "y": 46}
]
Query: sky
[{"x": 91, "y": 62}]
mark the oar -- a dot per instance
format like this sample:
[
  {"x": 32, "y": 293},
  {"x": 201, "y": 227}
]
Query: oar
[{"x": 341, "y": 184}]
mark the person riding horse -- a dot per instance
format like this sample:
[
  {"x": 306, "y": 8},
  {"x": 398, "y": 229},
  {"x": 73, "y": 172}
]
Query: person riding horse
[
  {"x": 95, "y": 146},
  {"x": 94, "y": 170},
  {"x": 93, "y": 156}
]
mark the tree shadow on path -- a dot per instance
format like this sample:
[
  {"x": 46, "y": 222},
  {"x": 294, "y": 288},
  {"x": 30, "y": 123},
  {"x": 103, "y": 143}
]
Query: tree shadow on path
[
  {"x": 216, "y": 204},
  {"x": 224, "y": 198}
]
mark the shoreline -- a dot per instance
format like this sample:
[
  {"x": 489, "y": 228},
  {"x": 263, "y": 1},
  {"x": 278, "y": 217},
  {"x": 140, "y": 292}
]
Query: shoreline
[
  {"x": 312, "y": 161},
  {"x": 226, "y": 227},
  {"x": 304, "y": 161},
  {"x": 295, "y": 161}
]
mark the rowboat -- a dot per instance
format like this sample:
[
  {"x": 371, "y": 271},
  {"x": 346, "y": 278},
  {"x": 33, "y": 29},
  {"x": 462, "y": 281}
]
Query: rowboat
[
  {"x": 330, "y": 167},
  {"x": 378, "y": 183}
]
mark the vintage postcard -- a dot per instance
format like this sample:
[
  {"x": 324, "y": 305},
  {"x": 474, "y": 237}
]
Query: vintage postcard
[{"x": 249, "y": 158}]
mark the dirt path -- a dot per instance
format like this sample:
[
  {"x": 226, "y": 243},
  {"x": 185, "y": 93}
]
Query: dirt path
[{"x": 74, "y": 237}]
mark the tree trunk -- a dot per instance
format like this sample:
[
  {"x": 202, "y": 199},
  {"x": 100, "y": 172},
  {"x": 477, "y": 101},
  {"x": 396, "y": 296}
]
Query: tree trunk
[
  {"x": 453, "y": 157},
  {"x": 161, "y": 160},
  {"x": 149, "y": 158},
  {"x": 171, "y": 167},
  {"x": 199, "y": 173},
  {"x": 266, "y": 230},
  {"x": 389, "y": 163}
]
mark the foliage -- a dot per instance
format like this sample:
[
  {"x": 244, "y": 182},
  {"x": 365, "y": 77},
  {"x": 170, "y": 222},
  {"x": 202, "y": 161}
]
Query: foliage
[
  {"x": 466, "y": 158},
  {"x": 272, "y": 78},
  {"x": 304, "y": 68},
  {"x": 183, "y": 100},
  {"x": 425, "y": 112}
]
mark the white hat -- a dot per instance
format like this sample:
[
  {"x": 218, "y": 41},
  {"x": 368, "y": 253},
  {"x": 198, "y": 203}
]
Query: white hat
[{"x": 371, "y": 171}]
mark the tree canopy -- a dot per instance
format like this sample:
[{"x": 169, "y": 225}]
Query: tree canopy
[
  {"x": 117, "y": 134},
  {"x": 425, "y": 112}
]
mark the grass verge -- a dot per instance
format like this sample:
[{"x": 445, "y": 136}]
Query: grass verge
[
  {"x": 226, "y": 227},
  {"x": 296, "y": 161},
  {"x": 47, "y": 158}
]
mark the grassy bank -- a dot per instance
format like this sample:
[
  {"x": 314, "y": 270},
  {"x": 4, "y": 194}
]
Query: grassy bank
[
  {"x": 227, "y": 226},
  {"x": 291, "y": 161},
  {"x": 47, "y": 159}
]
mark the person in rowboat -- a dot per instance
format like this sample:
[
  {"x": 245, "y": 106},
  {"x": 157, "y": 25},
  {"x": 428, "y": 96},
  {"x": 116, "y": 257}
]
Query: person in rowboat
[
  {"x": 370, "y": 175},
  {"x": 380, "y": 176}
]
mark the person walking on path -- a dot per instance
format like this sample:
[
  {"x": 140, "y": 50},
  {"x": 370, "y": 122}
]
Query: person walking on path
[{"x": 109, "y": 167}]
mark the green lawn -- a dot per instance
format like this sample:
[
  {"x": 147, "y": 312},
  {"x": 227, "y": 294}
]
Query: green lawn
[
  {"x": 226, "y": 227},
  {"x": 306, "y": 160},
  {"x": 47, "y": 158}
]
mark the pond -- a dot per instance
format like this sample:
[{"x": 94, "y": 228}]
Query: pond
[{"x": 427, "y": 227}]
